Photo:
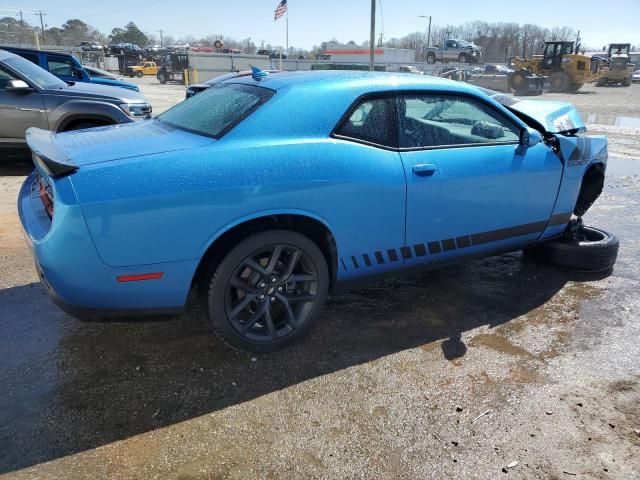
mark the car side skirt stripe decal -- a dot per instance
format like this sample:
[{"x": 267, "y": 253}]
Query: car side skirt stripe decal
[{"x": 464, "y": 241}]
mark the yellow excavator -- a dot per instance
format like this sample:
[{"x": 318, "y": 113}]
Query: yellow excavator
[{"x": 567, "y": 71}]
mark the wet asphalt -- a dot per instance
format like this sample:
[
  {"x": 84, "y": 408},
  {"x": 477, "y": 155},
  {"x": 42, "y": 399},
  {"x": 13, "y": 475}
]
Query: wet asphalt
[{"x": 455, "y": 373}]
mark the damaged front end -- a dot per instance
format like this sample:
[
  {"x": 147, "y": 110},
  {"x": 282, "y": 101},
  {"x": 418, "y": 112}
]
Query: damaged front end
[{"x": 584, "y": 156}]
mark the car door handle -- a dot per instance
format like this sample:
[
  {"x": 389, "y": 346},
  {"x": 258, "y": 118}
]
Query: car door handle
[{"x": 424, "y": 169}]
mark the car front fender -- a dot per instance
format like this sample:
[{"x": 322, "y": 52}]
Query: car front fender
[{"x": 74, "y": 110}]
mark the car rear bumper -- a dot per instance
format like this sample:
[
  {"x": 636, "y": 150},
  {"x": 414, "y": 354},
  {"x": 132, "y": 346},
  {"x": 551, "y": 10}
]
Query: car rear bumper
[{"x": 75, "y": 276}]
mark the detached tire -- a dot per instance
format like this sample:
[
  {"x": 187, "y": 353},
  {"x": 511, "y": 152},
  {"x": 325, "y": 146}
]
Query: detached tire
[
  {"x": 268, "y": 290},
  {"x": 597, "y": 251}
]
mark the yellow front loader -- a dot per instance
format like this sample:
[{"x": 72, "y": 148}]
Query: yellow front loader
[{"x": 567, "y": 71}]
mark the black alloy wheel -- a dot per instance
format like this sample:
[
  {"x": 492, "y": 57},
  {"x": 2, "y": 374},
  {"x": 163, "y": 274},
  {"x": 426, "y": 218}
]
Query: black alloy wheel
[{"x": 268, "y": 290}]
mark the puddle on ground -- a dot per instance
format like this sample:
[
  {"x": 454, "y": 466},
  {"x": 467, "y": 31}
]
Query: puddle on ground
[
  {"x": 622, "y": 167},
  {"x": 499, "y": 344},
  {"x": 616, "y": 120}
]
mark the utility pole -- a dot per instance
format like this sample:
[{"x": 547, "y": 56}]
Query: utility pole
[
  {"x": 21, "y": 20},
  {"x": 428, "y": 20},
  {"x": 161, "y": 32},
  {"x": 44, "y": 36},
  {"x": 372, "y": 36}
]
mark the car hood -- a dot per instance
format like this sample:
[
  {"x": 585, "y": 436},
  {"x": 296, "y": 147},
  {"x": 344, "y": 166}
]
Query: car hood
[
  {"x": 554, "y": 117},
  {"x": 93, "y": 90},
  {"x": 115, "y": 83},
  {"x": 68, "y": 151}
]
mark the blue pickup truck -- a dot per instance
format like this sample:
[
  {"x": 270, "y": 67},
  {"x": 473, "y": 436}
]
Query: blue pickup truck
[{"x": 66, "y": 67}]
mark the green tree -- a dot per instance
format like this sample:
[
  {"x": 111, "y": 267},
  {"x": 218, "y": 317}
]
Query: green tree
[{"x": 129, "y": 34}]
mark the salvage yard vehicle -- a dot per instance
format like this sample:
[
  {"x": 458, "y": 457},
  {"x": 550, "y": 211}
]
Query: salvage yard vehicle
[
  {"x": 200, "y": 87},
  {"x": 499, "y": 78},
  {"x": 567, "y": 71},
  {"x": 265, "y": 192},
  {"x": 618, "y": 68},
  {"x": 67, "y": 67},
  {"x": 32, "y": 97},
  {"x": 172, "y": 68},
  {"x": 454, "y": 51},
  {"x": 636, "y": 77},
  {"x": 410, "y": 69},
  {"x": 146, "y": 68}
]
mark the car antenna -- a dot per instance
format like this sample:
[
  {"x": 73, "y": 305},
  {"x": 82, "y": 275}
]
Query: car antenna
[{"x": 257, "y": 73}]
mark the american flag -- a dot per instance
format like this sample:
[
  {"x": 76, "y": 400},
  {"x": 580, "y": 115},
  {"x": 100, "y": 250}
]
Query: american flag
[{"x": 281, "y": 9}]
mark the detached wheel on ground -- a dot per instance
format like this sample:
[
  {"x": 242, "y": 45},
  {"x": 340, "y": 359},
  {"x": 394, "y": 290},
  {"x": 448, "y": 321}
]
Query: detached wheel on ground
[
  {"x": 587, "y": 249},
  {"x": 268, "y": 290}
]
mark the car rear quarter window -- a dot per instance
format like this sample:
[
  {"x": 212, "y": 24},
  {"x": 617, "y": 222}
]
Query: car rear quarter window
[
  {"x": 216, "y": 110},
  {"x": 441, "y": 120},
  {"x": 371, "y": 121}
]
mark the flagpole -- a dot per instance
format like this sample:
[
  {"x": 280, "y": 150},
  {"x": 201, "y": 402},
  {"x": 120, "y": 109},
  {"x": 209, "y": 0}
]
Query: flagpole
[{"x": 287, "y": 19}]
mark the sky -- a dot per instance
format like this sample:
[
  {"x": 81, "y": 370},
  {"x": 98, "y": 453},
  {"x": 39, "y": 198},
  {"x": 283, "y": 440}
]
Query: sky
[{"x": 314, "y": 21}]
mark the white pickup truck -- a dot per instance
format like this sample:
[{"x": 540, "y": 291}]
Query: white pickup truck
[{"x": 454, "y": 51}]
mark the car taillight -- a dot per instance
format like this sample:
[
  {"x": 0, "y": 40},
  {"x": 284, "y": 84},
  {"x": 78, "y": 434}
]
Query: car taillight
[{"x": 46, "y": 196}]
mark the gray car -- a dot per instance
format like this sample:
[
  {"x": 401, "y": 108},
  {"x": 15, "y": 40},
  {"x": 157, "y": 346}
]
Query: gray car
[{"x": 32, "y": 97}]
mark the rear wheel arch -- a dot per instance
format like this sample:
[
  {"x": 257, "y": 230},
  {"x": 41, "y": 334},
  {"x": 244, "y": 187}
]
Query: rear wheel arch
[
  {"x": 314, "y": 229},
  {"x": 590, "y": 188}
]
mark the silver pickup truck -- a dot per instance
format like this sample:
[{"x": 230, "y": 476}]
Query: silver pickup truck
[{"x": 454, "y": 51}]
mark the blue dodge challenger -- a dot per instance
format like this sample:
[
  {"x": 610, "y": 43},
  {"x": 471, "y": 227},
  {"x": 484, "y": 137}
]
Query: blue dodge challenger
[{"x": 265, "y": 192}]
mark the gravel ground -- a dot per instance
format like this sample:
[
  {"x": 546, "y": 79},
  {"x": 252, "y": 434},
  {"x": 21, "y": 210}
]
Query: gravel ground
[{"x": 456, "y": 373}]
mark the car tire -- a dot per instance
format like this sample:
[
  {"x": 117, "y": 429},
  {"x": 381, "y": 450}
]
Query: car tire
[
  {"x": 161, "y": 78},
  {"x": 267, "y": 291},
  {"x": 431, "y": 58},
  {"x": 462, "y": 58},
  {"x": 139, "y": 74},
  {"x": 595, "y": 251}
]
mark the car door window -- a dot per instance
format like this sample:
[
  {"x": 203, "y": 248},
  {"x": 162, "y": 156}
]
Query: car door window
[
  {"x": 60, "y": 66},
  {"x": 428, "y": 121},
  {"x": 371, "y": 121},
  {"x": 5, "y": 77}
]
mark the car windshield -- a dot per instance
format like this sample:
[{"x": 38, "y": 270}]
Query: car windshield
[
  {"x": 37, "y": 75},
  {"x": 216, "y": 110}
]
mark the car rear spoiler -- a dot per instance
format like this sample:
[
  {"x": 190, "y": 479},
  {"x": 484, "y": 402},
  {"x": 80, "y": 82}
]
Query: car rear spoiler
[{"x": 48, "y": 153}]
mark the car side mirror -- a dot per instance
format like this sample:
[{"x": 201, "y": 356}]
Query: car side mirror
[
  {"x": 529, "y": 137},
  {"x": 18, "y": 86}
]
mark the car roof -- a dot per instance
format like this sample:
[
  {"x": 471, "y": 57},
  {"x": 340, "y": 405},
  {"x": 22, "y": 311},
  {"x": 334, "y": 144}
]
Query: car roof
[
  {"x": 360, "y": 81},
  {"x": 34, "y": 50}
]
